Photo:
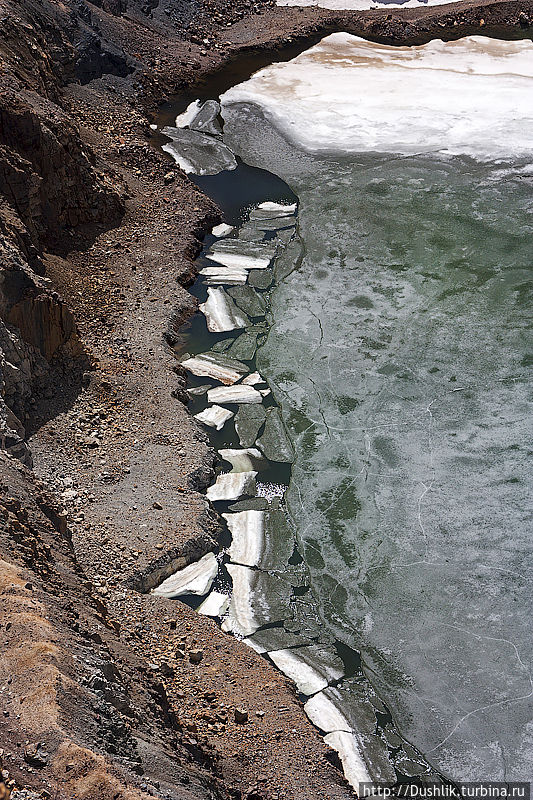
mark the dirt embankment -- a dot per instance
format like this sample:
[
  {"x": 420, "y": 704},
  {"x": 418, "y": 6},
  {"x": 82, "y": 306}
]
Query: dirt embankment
[{"x": 100, "y": 697}]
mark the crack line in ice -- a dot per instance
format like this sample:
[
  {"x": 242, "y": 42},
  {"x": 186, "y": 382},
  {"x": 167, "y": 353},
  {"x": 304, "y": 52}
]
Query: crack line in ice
[{"x": 498, "y": 702}]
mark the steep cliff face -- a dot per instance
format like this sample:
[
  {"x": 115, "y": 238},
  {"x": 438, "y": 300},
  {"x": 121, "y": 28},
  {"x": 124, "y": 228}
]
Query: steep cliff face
[
  {"x": 49, "y": 185},
  {"x": 81, "y": 716}
]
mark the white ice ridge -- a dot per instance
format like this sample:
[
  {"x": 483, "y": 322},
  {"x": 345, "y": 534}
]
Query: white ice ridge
[
  {"x": 195, "y": 578},
  {"x": 215, "y": 605},
  {"x": 222, "y": 230},
  {"x": 241, "y": 618},
  {"x": 221, "y": 313},
  {"x": 184, "y": 120},
  {"x": 214, "y": 417},
  {"x": 232, "y": 485},
  {"x": 247, "y": 532},
  {"x": 346, "y": 95}
]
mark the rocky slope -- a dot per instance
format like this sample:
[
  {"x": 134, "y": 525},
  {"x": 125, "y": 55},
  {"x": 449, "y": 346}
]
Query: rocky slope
[{"x": 98, "y": 230}]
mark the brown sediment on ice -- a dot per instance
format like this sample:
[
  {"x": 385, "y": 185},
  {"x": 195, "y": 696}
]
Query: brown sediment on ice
[{"x": 108, "y": 691}]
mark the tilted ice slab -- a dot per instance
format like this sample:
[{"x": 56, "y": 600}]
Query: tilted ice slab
[
  {"x": 216, "y": 365},
  {"x": 198, "y": 153},
  {"x": 214, "y": 417},
  {"x": 229, "y": 276},
  {"x": 248, "y": 534},
  {"x": 325, "y": 715},
  {"x": 215, "y": 605},
  {"x": 242, "y": 460},
  {"x": 241, "y": 619},
  {"x": 234, "y": 394},
  {"x": 348, "y": 95},
  {"x": 353, "y": 765},
  {"x": 260, "y": 538},
  {"x": 311, "y": 668},
  {"x": 196, "y": 578},
  {"x": 232, "y": 485},
  {"x": 183, "y": 120},
  {"x": 257, "y": 598},
  {"x": 221, "y": 313}
]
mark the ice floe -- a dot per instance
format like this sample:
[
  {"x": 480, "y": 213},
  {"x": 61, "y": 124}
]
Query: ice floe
[
  {"x": 247, "y": 531},
  {"x": 325, "y": 715},
  {"x": 215, "y": 605},
  {"x": 205, "y": 120},
  {"x": 241, "y": 619},
  {"x": 222, "y": 368},
  {"x": 253, "y": 379},
  {"x": 353, "y": 765},
  {"x": 349, "y": 95},
  {"x": 214, "y": 417},
  {"x": 221, "y": 313},
  {"x": 280, "y": 208},
  {"x": 222, "y": 230},
  {"x": 232, "y": 485},
  {"x": 197, "y": 152},
  {"x": 258, "y": 598},
  {"x": 311, "y": 668},
  {"x": 242, "y": 460},
  {"x": 196, "y": 578},
  {"x": 234, "y": 394},
  {"x": 248, "y": 300},
  {"x": 184, "y": 119},
  {"x": 220, "y": 275},
  {"x": 274, "y": 441}
]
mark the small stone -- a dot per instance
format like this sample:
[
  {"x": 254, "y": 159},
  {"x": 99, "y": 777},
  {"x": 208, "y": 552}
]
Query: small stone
[
  {"x": 195, "y": 656},
  {"x": 241, "y": 716},
  {"x": 36, "y": 756},
  {"x": 157, "y": 505},
  {"x": 169, "y": 177},
  {"x": 91, "y": 442},
  {"x": 179, "y": 653}
]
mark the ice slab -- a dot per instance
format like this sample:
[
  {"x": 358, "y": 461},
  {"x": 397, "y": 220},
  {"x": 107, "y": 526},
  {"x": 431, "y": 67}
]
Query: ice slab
[
  {"x": 231, "y": 486},
  {"x": 253, "y": 504},
  {"x": 224, "y": 276},
  {"x": 244, "y": 346},
  {"x": 222, "y": 230},
  {"x": 222, "y": 368},
  {"x": 253, "y": 379},
  {"x": 268, "y": 639},
  {"x": 242, "y": 254},
  {"x": 257, "y": 599},
  {"x": 198, "y": 153},
  {"x": 274, "y": 441},
  {"x": 214, "y": 417},
  {"x": 323, "y": 713},
  {"x": 221, "y": 313},
  {"x": 215, "y": 605},
  {"x": 280, "y": 208},
  {"x": 197, "y": 391},
  {"x": 248, "y": 533},
  {"x": 205, "y": 119},
  {"x": 349, "y": 95},
  {"x": 353, "y": 764},
  {"x": 248, "y": 300},
  {"x": 183, "y": 120},
  {"x": 242, "y": 460},
  {"x": 234, "y": 394},
  {"x": 311, "y": 668},
  {"x": 248, "y": 422},
  {"x": 260, "y": 279},
  {"x": 196, "y": 578}
]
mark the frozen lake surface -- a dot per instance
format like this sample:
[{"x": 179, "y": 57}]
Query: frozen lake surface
[{"x": 400, "y": 354}]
